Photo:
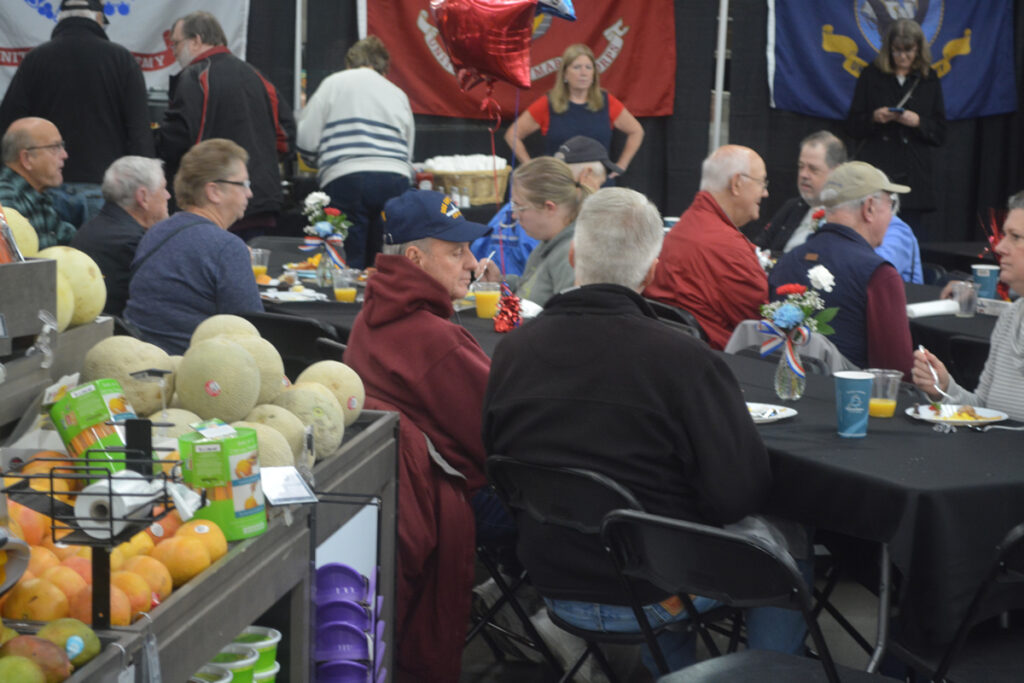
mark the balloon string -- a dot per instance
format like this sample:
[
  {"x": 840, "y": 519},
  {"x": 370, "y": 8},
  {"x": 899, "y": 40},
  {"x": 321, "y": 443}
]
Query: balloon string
[{"x": 491, "y": 106}]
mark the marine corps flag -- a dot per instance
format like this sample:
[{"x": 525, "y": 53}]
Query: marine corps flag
[
  {"x": 633, "y": 42},
  {"x": 816, "y": 51}
]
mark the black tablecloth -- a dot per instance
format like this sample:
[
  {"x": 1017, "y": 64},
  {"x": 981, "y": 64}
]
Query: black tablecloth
[
  {"x": 956, "y": 255},
  {"x": 941, "y": 501}
]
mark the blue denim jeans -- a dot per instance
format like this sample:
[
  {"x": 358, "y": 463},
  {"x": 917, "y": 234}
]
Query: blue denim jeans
[
  {"x": 361, "y": 196},
  {"x": 76, "y": 202},
  {"x": 768, "y": 628}
]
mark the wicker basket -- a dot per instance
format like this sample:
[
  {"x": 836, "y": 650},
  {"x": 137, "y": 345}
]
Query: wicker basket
[{"x": 479, "y": 183}]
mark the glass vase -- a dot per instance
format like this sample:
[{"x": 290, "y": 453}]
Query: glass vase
[
  {"x": 789, "y": 386},
  {"x": 324, "y": 276}
]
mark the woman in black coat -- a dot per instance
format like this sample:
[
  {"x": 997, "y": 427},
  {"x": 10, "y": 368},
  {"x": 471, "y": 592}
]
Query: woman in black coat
[{"x": 898, "y": 115}]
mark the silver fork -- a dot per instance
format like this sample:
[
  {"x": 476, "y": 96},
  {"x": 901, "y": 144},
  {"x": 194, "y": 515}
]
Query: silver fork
[
  {"x": 935, "y": 375},
  {"x": 985, "y": 428}
]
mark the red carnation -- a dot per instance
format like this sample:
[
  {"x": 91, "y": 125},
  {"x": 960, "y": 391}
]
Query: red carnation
[
  {"x": 818, "y": 215},
  {"x": 331, "y": 211},
  {"x": 791, "y": 289}
]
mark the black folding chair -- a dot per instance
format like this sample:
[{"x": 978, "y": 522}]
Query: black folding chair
[
  {"x": 983, "y": 649},
  {"x": 294, "y": 337},
  {"x": 679, "y": 318},
  {"x": 738, "y": 569},
  {"x": 578, "y": 500},
  {"x": 967, "y": 356},
  {"x": 331, "y": 349}
]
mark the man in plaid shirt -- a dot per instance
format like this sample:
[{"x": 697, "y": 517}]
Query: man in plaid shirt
[{"x": 33, "y": 155}]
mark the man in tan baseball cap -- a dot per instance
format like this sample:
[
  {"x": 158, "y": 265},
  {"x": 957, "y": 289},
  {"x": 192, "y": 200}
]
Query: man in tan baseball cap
[{"x": 871, "y": 328}]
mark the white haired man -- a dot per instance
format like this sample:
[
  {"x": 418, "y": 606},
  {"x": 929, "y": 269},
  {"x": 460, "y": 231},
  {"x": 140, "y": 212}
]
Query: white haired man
[
  {"x": 135, "y": 194},
  {"x": 666, "y": 420},
  {"x": 708, "y": 267}
]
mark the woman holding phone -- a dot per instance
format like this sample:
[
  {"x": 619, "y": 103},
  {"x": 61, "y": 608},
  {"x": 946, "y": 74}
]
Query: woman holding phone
[{"x": 898, "y": 115}]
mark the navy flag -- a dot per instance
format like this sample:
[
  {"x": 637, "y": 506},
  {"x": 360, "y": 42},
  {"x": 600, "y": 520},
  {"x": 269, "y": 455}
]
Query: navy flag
[{"x": 816, "y": 51}]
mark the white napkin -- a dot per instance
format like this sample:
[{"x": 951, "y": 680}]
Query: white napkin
[{"x": 927, "y": 308}]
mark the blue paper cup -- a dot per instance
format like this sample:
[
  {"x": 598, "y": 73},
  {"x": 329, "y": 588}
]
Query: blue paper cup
[
  {"x": 853, "y": 397},
  {"x": 986, "y": 276}
]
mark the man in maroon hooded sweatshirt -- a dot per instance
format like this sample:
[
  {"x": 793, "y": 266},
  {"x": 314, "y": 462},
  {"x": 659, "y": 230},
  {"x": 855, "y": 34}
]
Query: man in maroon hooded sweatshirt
[{"x": 413, "y": 360}]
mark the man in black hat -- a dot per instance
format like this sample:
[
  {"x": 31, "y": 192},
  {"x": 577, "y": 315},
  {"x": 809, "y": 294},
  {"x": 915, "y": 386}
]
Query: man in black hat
[
  {"x": 93, "y": 91},
  {"x": 588, "y": 160}
]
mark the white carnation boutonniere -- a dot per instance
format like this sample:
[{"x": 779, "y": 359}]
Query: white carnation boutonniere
[{"x": 821, "y": 278}]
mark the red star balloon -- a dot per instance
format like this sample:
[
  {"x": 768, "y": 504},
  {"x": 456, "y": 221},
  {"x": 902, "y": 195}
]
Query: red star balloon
[{"x": 487, "y": 39}]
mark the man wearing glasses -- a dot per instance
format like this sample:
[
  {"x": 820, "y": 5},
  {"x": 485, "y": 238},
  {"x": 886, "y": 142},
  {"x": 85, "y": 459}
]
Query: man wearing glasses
[
  {"x": 871, "y": 328},
  {"x": 33, "y": 156}
]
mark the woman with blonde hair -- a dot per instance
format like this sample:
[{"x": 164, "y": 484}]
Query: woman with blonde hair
[
  {"x": 576, "y": 105},
  {"x": 898, "y": 115},
  {"x": 545, "y": 200}
]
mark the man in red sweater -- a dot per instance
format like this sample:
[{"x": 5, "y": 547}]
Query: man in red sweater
[{"x": 706, "y": 265}]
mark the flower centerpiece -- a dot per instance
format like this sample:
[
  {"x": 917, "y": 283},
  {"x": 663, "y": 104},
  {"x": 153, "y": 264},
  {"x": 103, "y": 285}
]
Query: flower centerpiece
[
  {"x": 789, "y": 323},
  {"x": 326, "y": 231}
]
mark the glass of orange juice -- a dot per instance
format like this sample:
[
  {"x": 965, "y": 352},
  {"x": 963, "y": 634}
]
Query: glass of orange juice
[
  {"x": 344, "y": 285},
  {"x": 884, "y": 389},
  {"x": 487, "y": 295},
  {"x": 260, "y": 259}
]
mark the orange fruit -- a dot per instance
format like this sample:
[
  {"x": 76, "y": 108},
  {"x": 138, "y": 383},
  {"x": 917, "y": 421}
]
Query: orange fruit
[
  {"x": 141, "y": 543},
  {"x": 41, "y": 559},
  {"x": 183, "y": 556},
  {"x": 66, "y": 579},
  {"x": 36, "y": 599},
  {"x": 209, "y": 533},
  {"x": 34, "y": 525},
  {"x": 81, "y": 565},
  {"x": 136, "y": 588},
  {"x": 155, "y": 574},
  {"x": 243, "y": 469},
  {"x": 120, "y": 606},
  {"x": 25, "y": 576},
  {"x": 164, "y": 528}
]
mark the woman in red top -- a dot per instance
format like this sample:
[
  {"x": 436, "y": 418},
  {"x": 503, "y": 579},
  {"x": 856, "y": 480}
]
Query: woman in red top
[{"x": 576, "y": 106}]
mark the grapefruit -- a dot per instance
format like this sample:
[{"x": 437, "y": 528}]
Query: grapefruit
[
  {"x": 155, "y": 574},
  {"x": 36, "y": 599},
  {"x": 210, "y": 535},
  {"x": 184, "y": 557},
  {"x": 136, "y": 588},
  {"x": 66, "y": 579},
  {"x": 120, "y": 606}
]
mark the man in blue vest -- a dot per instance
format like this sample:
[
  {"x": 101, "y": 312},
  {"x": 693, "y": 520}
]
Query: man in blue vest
[{"x": 871, "y": 327}]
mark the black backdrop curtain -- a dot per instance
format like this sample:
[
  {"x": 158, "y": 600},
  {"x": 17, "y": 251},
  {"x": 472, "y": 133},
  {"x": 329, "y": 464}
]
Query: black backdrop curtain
[{"x": 978, "y": 168}]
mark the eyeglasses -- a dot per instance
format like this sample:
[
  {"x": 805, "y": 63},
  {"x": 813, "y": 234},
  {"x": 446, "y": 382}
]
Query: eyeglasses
[
  {"x": 905, "y": 50},
  {"x": 176, "y": 43},
  {"x": 247, "y": 184},
  {"x": 52, "y": 147},
  {"x": 763, "y": 181},
  {"x": 519, "y": 208}
]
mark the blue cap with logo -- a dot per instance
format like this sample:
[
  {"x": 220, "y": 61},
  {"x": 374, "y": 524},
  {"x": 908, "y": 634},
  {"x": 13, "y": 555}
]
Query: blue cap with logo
[{"x": 419, "y": 214}]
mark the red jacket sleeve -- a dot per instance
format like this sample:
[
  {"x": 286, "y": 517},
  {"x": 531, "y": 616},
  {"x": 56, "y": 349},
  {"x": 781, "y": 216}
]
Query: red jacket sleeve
[
  {"x": 888, "y": 330},
  {"x": 541, "y": 113}
]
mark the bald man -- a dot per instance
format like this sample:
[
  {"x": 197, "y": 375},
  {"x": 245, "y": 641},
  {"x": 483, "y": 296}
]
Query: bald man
[
  {"x": 706, "y": 265},
  {"x": 33, "y": 155}
]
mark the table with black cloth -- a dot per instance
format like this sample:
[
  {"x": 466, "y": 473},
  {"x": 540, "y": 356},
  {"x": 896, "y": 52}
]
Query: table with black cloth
[
  {"x": 940, "y": 501},
  {"x": 935, "y": 332},
  {"x": 956, "y": 255}
]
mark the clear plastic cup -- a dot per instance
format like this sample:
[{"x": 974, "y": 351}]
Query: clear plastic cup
[
  {"x": 487, "y": 295},
  {"x": 260, "y": 261},
  {"x": 884, "y": 389},
  {"x": 965, "y": 293},
  {"x": 344, "y": 285}
]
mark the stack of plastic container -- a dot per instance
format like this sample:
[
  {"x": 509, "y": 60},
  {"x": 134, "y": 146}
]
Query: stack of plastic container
[{"x": 347, "y": 627}]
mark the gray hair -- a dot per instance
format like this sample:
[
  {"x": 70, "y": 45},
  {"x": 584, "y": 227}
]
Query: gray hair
[
  {"x": 596, "y": 166},
  {"x": 399, "y": 249},
  {"x": 618, "y": 236},
  {"x": 835, "y": 150},
  {"x": 851, "y": 204},
  {"x": 13, "y": 142},
  {"x": 721, "y": 165},
  {"x": 1016, "y": 201},
  {"x": 204, "y": 25},
  {"x": 126, "y": 175}
]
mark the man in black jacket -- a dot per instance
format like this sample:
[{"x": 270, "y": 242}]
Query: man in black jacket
[
  {"x": 597, "y": 382},
  {"x": 217, "y": 95},
  {"x": 136, "y": 197},
  {"x": 93, "y": 91}
]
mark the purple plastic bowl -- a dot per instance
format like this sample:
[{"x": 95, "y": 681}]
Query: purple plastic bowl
[
  {"x": 344, "y": 611},
  {"x": 337, "y": 640},
  {"x": 338, "y": 581},
  {"x": 342, "y": 672}
]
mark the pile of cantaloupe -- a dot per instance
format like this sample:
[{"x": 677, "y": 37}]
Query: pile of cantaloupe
[{"x": 231, "y": 373}]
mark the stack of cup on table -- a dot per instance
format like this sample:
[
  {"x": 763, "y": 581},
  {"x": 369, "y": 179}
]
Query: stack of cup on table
[
  {"x": 346, "y": 624},
  {"x": 986, "y": 276},
  {"x": 863, "y": 394},
  {"x": 251, "y": 658}
]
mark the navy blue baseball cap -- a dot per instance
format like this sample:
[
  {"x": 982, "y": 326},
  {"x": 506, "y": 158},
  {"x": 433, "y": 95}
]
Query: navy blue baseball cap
[{"x": 419, "y": 214}]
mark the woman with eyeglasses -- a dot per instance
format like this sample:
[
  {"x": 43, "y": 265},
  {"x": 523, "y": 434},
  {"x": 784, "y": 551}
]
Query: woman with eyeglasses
[
  {"x": 545, "y": 200},
  {"x": 189, "y": 267},
  {"x": 898, "y": 115}
]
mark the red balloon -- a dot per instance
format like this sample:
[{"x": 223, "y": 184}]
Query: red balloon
[{"x": 488, "y": 39}]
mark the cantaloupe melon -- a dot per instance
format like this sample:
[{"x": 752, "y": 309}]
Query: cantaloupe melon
[
  {"x": 119, "y": 356},
  {"x": 180, "y": 418},
  {"x": 217, "y": 325},
  {"x": 315, "y": 405},
  {"x": 85, "y": 279},
  {"x": 25, "y": 235},
  {"x": 343, "y": 382},
  {"x": 268, "y": 364},
  {"x": 274, "y": 450},
  {"x": 216, "y": 378},
  {"x": 65, "y": 303},
  {"x": 285, "y": 422}
]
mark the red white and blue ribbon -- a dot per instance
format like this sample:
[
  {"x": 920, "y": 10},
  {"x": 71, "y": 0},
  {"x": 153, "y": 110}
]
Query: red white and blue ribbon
[
  {"x": 329, "y": 244},
  {"x": 798, "y": 336}
]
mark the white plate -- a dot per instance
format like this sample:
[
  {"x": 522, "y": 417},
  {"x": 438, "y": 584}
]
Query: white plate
[
  {"x": 985, "y": 415},
  {"x": 290, "y": 297},
  {"x": 765, "y": 413}
]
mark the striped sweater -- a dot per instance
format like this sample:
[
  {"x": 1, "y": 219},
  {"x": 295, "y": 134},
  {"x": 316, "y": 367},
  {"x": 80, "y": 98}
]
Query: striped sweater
[{"x": 1001, "y": 385}]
